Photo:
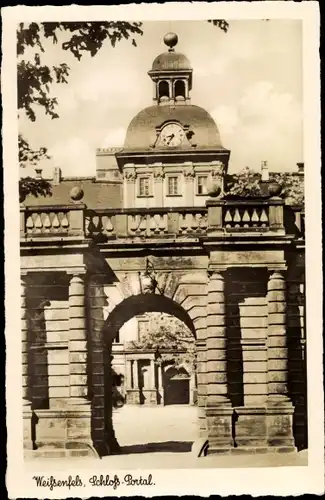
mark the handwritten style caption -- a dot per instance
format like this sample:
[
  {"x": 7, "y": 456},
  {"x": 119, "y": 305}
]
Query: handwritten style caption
[{"x": 102, "y": 480}]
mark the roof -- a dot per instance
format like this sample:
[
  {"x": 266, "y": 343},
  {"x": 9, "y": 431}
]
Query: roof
[
  {"x": 171, "y": 61},
  {"x": 96, "y": 194},
  {"x": 141, "y": 133}
]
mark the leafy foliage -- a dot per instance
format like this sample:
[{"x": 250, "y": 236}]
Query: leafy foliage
[
  {"x": 34, "y": 79},
  {"x": 292, "y": 187},
  {"x": 29, "y": 156},
  {"x": 247, "y": 183},
  {"x": 220, "y": 23},
  {"x": 174, "y": 346},
  {"x": 36, "y": 187}
]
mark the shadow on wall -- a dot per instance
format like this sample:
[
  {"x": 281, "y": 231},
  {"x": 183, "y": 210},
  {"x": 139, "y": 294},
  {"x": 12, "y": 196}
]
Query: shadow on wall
[
  {"x": 297, "y": 362},
  {"x": 240, "y": 284},
  {"x": 42, "y": 289},
  {"x": 163, "y": 447}
]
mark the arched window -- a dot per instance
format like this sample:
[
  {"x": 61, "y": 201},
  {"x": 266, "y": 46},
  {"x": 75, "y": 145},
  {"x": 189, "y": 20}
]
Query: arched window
[
  {"x": 163, "y": 89},
  {"x": 179, "y": 89}
]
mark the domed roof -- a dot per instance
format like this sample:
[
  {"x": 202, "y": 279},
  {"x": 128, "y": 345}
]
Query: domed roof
[
  {"x": 141, "y": 133},
  {"x": 171, "y": 61}
]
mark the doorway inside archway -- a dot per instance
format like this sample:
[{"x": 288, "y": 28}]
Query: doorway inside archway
[{"x": 177, "y": 386}]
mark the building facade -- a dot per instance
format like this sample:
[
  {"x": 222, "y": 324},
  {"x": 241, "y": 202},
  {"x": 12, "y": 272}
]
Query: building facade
[{"x": 155, "y": 233}]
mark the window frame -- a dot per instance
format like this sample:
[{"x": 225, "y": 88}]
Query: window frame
[
  {"x": 197, "y": 184},
  {"x": 177, "y": 177},
  {"x": 141, "y": 177}
]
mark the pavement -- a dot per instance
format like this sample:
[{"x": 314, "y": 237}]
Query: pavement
[{"x": 162, "y": 437}]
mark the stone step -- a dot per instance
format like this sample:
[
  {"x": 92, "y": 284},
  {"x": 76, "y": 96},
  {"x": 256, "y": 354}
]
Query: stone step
[{"x": 45, "y": 452}]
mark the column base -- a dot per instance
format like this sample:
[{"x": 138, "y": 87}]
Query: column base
[
  {"x": 250, "y": 429},
  {"x": 279, "y": 422},
  {"x": 27, "y": 426},
  {"x": 219, "y": 429},
  {"x": 65, "y": 432},
  {"x": 149, "y": 397},
  {"x": 133, "y": 397}
]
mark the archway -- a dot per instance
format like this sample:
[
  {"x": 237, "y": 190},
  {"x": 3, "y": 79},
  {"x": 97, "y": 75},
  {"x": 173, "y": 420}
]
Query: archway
[{"x": 145, "y": 396}]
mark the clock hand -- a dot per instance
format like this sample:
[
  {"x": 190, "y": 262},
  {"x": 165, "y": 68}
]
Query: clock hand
[{"x": 170, "y": 137}]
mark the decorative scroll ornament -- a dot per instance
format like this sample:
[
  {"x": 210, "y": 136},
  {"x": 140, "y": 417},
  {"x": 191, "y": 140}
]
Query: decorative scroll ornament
[
  {"x": 130, "y": 174},
  {"x": 189, "y": 173},
  {"x": 159, "y": 173},
  {"x": 217, "y": 169}
]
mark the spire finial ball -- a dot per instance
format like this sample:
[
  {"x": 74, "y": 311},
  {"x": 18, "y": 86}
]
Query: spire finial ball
[{"x": 170, "y": 39}]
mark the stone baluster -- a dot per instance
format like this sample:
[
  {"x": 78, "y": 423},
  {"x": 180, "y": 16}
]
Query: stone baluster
[
  {"x": 27, "y": 412},
  {"x": 77, "y": 341},
  {"x": 280, "y": 408},
  {"x": 218, "y": 406}
]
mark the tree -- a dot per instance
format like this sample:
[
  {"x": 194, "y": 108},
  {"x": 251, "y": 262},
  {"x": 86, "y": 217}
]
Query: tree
[
  {"x": 174, "y": 346},
  {"x": 247, "y": 183},
  {"x": 35, "y": 79}
]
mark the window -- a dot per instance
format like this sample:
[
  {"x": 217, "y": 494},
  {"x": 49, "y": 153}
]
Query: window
[
  {"x": 179, "y": 89},
  {"x": 144, "y": 186},
  {"x": 163, "y": 89},
  {"x": 202, "y": 184},
  {"x": 173, "y": 186}
]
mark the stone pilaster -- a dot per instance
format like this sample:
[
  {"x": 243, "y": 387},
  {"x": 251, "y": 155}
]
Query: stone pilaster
[
  {"x": 129, "y": 174},
  {"x": 27, "y": 407},
  {"x": 159, "y": 176},
  {"x": 79, "y": 412},
  {"x": 128, "y": 367},
  {"x": 78, "y": 342},
  {"x": 160, "y": 372},
  {"x": 218, "y": 406},
  {"x": 101, "y": 373},
  {"x": 279, "y": 406},
  {"x": 189, "y": 176},
  {"x": 201, "y": 386}
]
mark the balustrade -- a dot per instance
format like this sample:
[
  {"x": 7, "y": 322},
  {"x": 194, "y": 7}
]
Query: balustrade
[
  {"x": 219, "y": 216},
  {"x": 246, "y": 215},
  {"x": 41, "y": 222}
]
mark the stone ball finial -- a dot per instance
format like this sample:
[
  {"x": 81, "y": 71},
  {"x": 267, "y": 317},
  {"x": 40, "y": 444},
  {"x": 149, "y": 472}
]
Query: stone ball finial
[
  {"x": 171, "y": 39},
  {"x": 76, "y": 193},
  {"x": 274, "y": 189},
  {"x": 215, "y": 191}
]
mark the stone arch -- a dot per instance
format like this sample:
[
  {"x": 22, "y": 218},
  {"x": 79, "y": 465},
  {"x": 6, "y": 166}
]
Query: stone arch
[
  {"x": 130, "y": 306},
  {"x": 140, "y": 304}
]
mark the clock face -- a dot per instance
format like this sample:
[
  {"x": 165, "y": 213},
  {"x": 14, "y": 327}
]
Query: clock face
[{"x": 172, "y": 135}]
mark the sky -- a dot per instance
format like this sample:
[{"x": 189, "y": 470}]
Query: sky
[{"x": 249, "y": 80}]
